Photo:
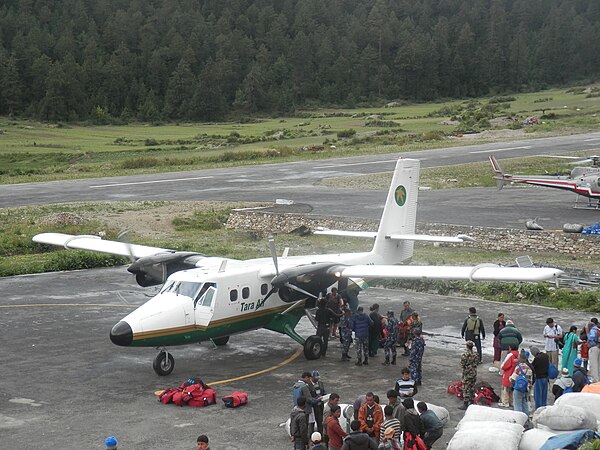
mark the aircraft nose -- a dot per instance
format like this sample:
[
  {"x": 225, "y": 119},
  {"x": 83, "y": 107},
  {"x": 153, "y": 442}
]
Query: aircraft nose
[{"x": 121, "y": 334}]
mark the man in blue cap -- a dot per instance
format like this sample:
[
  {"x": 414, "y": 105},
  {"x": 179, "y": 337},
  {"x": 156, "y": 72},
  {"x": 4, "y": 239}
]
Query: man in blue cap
[
  {"x": 111, "y": 443},
  {"x": 580, "y": 378},
  {"x": 318, "y": 391}
]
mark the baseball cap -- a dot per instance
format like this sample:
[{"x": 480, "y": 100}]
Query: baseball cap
[
  {"x": 315, "y": 437},
  {"x": 316, "y": 374},
  {"x": 110, "y": 442},
  {"x": 578, "y": 362}
]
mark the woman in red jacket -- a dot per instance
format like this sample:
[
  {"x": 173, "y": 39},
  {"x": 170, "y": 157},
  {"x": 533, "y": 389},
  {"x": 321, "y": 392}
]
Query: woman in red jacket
[{"x": 508, "y": 367}]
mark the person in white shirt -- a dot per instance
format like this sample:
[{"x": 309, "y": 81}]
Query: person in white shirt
[{"x": 552, "y": 332}]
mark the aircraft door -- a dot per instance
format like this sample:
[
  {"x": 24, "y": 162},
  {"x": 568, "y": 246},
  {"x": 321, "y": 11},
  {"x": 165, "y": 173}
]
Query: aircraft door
[{"x": 204, "y": 305}]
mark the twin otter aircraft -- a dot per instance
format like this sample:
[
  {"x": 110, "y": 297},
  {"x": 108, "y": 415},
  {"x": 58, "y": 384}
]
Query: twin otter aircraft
[{"x": 209, "y": 298}]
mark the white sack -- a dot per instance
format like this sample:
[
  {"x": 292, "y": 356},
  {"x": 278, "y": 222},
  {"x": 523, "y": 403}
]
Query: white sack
[
  {"x": 589, "y": 402},
  {"x": 565, "y": 417},
  {"x": 534, "y": 439},
  {"x": 478, "y": 413},
  {"x": 439, "y": 411},
  {"x": 478, "y": 435}
]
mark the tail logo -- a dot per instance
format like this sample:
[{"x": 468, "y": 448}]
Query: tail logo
[{"x": 400, "y": 195}]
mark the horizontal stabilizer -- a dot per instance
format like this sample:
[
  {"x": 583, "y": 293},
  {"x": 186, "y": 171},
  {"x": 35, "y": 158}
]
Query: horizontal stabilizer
[
  {"x": 362, "y": 234},
  {"x": 430, "y": 238},
  {"x": 97, "y": 244},
  {"x": 395, "y": 237},
  {"x": 484, "y": 272}
]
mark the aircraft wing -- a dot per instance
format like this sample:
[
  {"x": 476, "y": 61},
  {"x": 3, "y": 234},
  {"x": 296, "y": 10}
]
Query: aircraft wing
[
  {"x": 483, "y": 272},
  {"x": 97, "y": 244}
]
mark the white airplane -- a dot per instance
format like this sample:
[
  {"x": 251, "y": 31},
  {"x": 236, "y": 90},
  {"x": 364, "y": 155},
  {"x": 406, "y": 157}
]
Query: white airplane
[{"x": 211, "y": 298}]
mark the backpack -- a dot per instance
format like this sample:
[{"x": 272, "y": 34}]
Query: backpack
[
  {"x": 297, "y": 393},
  {"x": 560, "y": 342},
  {"x": 521, "y": 383},
  {"x": 552, "y": 371}
]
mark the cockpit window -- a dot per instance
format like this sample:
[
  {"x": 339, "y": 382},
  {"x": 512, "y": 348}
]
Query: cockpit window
[{"x": 187, "y": 288}]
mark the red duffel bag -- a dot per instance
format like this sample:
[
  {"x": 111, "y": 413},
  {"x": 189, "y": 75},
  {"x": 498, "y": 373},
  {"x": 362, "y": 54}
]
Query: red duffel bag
[
  {"x": 203, "y": 397},
  {"x": 236, "y": 399}
]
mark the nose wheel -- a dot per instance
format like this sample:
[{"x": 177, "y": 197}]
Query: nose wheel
[{"x": 164, "y": 363}]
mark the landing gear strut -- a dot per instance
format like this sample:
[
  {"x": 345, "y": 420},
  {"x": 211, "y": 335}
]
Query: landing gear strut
[
  {"x": 313, "y": 347},
  {"x": 164, "y": 363}
]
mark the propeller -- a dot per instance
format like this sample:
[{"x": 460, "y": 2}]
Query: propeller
[
  {"x": 123, "y": 236},
  {"x": 281, "y": 279}
]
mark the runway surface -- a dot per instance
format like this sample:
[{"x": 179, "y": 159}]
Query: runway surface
[
  {"x": 299, "y": 181},
  {"x": 64, "y": 385}
]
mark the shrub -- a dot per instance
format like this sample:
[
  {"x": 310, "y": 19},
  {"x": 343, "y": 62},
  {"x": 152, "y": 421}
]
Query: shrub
[
  {"x": 499, "y": 99},
  {"x": 202, "y": 220},
  {"x": 74, "y": 260},
  {"x": 346, "y": 133}
]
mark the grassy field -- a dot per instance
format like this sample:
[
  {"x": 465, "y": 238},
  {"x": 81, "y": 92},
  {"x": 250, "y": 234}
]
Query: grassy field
[{"x": 32, "y": 151}]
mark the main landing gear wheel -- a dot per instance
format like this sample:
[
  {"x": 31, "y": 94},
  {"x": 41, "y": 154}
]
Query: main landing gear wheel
[
  {"x": 313, "y": 347},
  {"x": 164, "y": 363},
  {"x": 221, "y": 341}
]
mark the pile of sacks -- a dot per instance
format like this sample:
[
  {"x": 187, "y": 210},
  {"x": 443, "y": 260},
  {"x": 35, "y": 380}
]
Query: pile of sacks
[
  {"x": 488, "y": 428},
  {"x": 570, "y": 413}
]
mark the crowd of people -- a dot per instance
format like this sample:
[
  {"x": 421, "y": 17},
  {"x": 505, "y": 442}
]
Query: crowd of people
[
  {"x": 396, "y": 424},
  {"x": 568, "y": 361}
]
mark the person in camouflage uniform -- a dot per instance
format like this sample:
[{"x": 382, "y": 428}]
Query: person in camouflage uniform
[
  {"x": 468, "y": 362},
  {"x": 389, "y": 347},
  {"x": 415, "y": 325},
  {"x": 345, "y": 334},
  {"x": 415, "y": 358}
]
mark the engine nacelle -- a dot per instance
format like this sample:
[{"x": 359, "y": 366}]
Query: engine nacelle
[
  {"x": 155, "y": 269},
  {"x": 313, "y": 278}
]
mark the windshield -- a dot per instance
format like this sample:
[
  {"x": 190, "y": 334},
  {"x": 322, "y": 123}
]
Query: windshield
[{"x": 187, "y": 288}]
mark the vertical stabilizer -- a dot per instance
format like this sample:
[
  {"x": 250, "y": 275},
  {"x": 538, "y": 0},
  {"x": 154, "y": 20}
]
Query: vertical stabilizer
[{"x": 399, "y": 214}]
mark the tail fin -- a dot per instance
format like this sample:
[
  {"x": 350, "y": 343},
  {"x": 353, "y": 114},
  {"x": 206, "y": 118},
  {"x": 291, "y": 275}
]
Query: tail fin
[
  {"x": 498, "y": 173},
  {"x": 399, "y": 214}
]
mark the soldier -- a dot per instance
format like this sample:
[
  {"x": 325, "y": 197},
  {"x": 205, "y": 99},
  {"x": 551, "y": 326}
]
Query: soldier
[
  {"x": 346, "y": 334},
  {"x": 468, "y": 362},
  {"x": 389, "y": 347},
  {"x": 403, "y": 332},
  {"x": 415, "y": 358}
]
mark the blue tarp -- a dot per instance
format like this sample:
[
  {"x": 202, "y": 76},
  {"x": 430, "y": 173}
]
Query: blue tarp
[
  {"x": 594, "y": 229},
  {"x": 570, "y": 440}
]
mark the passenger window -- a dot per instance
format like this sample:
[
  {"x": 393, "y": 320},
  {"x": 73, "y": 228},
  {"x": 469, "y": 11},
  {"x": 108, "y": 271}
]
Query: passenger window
[
  {"x": 245, "y": 292},
  {"x": 233, "y": 295},
  {"x": 264, "y": 288}
]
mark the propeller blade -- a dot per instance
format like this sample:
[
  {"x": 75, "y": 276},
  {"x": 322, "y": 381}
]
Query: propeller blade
[
  {"x": 271, "y": 292},
  {"x": 302, "y": 291},
  {"x": 123, "y": 236},
  {"x": 273, "y": 253}
]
